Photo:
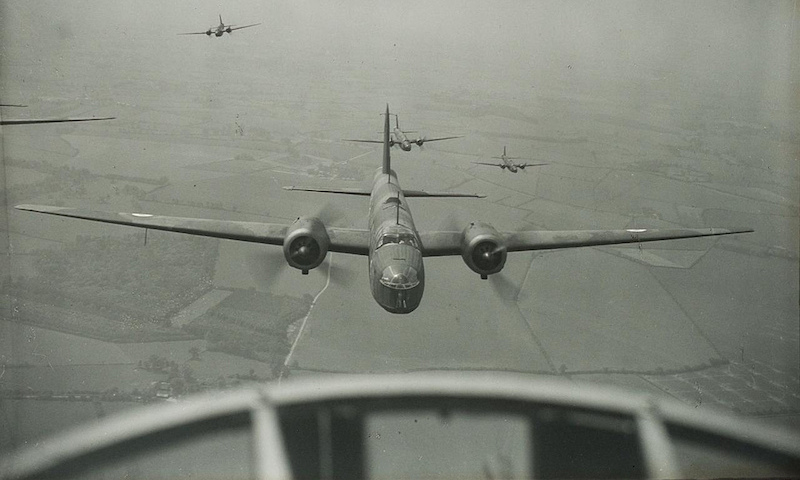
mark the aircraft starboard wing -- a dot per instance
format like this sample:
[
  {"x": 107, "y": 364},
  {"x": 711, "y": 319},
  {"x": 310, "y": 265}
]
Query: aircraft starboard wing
[
  {"x": 361, "y": 141},
  {"x": 344, "y": 240},
  {"x": 342, "y": 191},
  {"x": 244, "y": 26},
  {"x": 29, "y": 121},
  {"x": 449, "y": 242},
  {"x": 491, "y": 164}
]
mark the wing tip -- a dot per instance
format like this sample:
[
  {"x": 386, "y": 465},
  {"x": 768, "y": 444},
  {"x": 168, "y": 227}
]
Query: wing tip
[
  {"x": 27, "y": 206},
  {"x": 39, "y": 208}
]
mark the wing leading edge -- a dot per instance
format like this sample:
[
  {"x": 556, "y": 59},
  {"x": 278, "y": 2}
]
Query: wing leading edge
[
  {"x": 449, "y": 243},
  {"x": 30, "y": 121},
  {"x": 438, "y": 139},
  {"x": 344, "y": 240},
  {"x": 356, "y": 241},
  {"x": 245, "y": 26}
]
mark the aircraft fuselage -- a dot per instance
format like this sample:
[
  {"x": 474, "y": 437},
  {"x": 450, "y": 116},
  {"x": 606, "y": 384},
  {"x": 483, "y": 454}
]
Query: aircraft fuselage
[
  {"x": 400, "y": 139},
  {"x": 396, "y": 271},
  {"x": 509, "y": 164}
]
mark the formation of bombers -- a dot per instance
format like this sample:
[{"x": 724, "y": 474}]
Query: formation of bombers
[{"x": 391, "y": 241}]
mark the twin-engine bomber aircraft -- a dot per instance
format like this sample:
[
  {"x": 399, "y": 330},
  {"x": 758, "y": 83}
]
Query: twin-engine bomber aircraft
[
  {"x": 400, "y": 138},
  {"x": 220, "y": 29},
  {"x": 393, "y": 245},
  {"x": 506, "y": 162}
]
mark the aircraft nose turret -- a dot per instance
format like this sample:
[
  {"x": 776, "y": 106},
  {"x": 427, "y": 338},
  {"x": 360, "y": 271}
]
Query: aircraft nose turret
[
  {"x": 400, "y": 277},
  {"x": 397, "y": 277}
]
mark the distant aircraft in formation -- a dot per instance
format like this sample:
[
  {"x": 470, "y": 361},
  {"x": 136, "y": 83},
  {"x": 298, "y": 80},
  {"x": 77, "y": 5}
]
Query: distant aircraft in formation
[
  {"x": 220, "y": 29},
  {"x": 400, "y": 138},
  {"x": 29, "y": 121},
  {"x": 506, "y": 163},
  {"x": 391, "y": 242}
]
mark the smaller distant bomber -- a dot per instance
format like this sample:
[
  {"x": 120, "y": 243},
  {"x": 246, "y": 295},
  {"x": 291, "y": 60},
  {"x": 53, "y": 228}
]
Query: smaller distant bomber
[
  {"x": 220, "y": 29},
  {"x": 399, "y": 138},
  {"x": 507, "y": 163}
]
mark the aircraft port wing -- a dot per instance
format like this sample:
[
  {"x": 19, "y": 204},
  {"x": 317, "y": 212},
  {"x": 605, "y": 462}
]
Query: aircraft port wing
[
  {"x": 244, "y": 26},
  {"x": 441, "y": 138},
  {"x": 197, "y": 33},
  {"x": 444, "y": 243},
  {"x": 440, "y": 244},
  {"x": 546, "y": 240},
  {"x": 344, "y": 240},
  {"x": 420, "y": 193},
  {"x": 523, "y": 165},
  {"x": 29, "y": 121}
]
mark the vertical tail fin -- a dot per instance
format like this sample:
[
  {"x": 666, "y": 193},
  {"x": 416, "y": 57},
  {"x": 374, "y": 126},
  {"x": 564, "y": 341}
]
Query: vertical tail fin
[
  {"x": 504, "y": 150},
  {"x": 220, "y": 19},
  {"x": 387, "y": 168}
]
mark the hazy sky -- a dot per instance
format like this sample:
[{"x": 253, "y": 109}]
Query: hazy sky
[{"x": 740, "y": 49}]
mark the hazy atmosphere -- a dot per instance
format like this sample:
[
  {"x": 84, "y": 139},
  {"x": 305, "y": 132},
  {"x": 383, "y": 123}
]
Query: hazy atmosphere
[{"x": 648, "y": 114}]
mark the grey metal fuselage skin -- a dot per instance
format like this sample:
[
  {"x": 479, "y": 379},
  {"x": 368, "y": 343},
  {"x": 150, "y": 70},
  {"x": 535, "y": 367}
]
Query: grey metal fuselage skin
[
  {"x": 396, "y": 272},
  {"x": 401, "y": 139},
  {"x": 220, "y": 30},
  {"x": 508, "y": 164}
]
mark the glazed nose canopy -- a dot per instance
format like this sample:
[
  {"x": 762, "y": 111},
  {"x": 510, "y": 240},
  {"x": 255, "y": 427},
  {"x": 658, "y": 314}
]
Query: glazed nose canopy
[{"x": 400, "y": 277}]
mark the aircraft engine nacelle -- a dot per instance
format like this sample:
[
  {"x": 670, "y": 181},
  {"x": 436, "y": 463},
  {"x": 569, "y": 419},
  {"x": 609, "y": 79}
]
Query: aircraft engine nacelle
[
  {"x": 420, "y": 141},
  {"x": 483, "y": 249},
  {"x": 306, "y": 244},
  {"x": 229, "y": 30}
]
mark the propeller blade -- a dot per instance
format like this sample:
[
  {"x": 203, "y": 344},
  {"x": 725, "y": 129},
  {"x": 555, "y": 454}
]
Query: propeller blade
[
  {"x": 265, "y": 266},
  {"x": 451, "y": 224},
  {"x": 329, "y": 214},
  {"x": 504, "y": 288},
  {"x": 340, "y": 276}
]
